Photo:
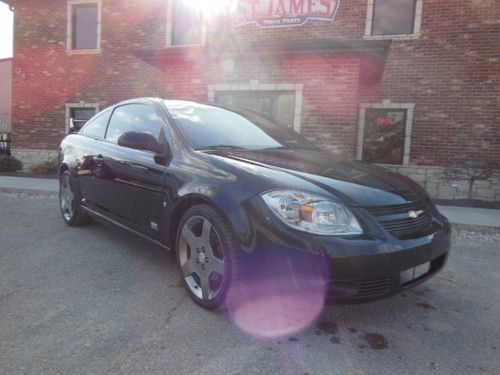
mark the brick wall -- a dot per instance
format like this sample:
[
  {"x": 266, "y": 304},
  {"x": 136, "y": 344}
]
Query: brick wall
[{"x": 450, "y": 72}]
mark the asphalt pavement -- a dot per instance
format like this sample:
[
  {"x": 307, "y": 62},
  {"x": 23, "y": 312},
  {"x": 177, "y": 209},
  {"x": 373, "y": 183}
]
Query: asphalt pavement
[{"x": 94, "y": 300}]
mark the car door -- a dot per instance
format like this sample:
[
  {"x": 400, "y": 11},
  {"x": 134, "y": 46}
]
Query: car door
[
  {"x": 91, "y": 172},
  {"x": 135, "y": 193}
]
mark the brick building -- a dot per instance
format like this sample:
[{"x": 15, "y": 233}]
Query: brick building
[{"x": 411, "y": 84}]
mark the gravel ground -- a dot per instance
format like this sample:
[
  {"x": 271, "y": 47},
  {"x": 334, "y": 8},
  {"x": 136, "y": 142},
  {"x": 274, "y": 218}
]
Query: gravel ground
[{"x": 93, "y": 300}]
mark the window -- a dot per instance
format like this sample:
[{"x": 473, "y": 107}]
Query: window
[
  {"x": 280, "y": 102},
  {"x": 96, "y": 127},
  {"x": 276, "y": 105},
  {"x": 135, "y": 118},
  {"x": 84, "y": 25},
  {"x": 393, "y": 17},
  {"x": 77, "y": 114},
  {"x": 80, "y": 116},
  {"x": 185, "y": 24},
  {"x": 385, "y": 133}
]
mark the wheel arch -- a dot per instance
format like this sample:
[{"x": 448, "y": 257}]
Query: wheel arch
[{"x": 235, "y": 221}]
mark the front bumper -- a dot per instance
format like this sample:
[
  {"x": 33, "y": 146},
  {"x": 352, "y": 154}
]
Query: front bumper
[{"x": 351, "y": 270}]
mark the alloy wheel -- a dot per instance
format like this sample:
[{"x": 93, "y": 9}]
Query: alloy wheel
[
  {"x": 66, "y": 197},
  {"x": 201, "y": 258}
]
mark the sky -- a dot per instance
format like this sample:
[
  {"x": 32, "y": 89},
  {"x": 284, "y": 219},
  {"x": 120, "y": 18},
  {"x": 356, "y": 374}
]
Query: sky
[{"x": 6, "y": 26}]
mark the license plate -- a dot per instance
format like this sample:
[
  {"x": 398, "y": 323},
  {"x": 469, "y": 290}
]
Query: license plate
[{"x": 414, "y": 273}]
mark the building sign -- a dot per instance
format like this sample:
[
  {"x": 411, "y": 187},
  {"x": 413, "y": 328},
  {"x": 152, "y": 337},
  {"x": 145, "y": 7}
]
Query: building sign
[{"x": 279, "y": 13}]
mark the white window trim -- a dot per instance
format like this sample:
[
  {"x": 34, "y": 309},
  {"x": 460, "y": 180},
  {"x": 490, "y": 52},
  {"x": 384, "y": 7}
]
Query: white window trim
[
  {"x": 387, "y": 104},
  {"x": 170, "y": 30},
  {"x": 69, "y": 106},
  {"x": 417, "y": 25},
  {"x": 255, "y": 85},
  {"x": 69, "y": 34}
]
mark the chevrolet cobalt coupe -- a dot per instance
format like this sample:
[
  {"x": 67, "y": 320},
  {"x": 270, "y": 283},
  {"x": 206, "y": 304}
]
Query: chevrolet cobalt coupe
[{"x": 237, "y": 198}]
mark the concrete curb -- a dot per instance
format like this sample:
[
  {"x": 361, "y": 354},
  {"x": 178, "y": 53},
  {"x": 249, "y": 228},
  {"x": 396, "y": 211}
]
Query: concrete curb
[
  {"x": 29, "y": 192},
  {"x": 483, "y": 229}
]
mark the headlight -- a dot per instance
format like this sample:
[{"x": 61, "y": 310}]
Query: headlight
[{"x": 312, "y": 213}]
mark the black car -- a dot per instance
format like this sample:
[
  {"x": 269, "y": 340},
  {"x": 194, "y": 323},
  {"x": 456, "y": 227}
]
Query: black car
[{"x": 237, "y": 199}]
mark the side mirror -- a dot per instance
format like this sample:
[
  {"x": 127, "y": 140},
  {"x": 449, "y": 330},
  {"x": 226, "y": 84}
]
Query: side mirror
[
  {"x": 145, "y": 142},
  {"x": 71, "y": 125}
]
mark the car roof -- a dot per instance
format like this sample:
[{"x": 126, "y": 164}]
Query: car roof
[{"x": 167, "y": 102}]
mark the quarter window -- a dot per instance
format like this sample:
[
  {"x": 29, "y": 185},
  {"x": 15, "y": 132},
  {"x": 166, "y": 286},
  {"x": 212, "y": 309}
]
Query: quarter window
[
  {"x": 96, "y": 127},
  {"x": 186, "y": 24},
  {"x": 393, "y": 17},
  {"x": 135, "y": 118}
]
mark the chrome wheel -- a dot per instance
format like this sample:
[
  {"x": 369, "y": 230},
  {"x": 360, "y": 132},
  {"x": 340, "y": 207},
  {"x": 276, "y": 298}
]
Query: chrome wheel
[
  {"x": 66, "y": 197},
  {"x": 201, "y": 258}
]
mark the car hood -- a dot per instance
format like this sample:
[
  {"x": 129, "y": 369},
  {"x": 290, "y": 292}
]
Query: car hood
[{"x": 355, "y": 182}]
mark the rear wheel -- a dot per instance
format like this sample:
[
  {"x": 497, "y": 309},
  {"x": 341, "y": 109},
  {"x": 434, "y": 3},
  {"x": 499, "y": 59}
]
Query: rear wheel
[
  {"x": 70, "y": 201},
  {"x": 206, "y": 256}
]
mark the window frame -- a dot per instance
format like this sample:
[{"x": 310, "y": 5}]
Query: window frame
[
  {"x": 170, "y": 29},
  {"x": 70, "y": 5},
  {"x": 387, "y": 104},
  {"x": 256, "y": 86},
  {"x": 84, "y": 105},
  {"x": 417, "y": 23}
]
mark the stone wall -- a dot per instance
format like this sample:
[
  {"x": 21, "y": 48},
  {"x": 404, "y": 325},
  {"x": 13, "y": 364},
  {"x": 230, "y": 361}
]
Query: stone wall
[
  {"x": 431, "y": 179},
  {"x": 32, "y": 157}
]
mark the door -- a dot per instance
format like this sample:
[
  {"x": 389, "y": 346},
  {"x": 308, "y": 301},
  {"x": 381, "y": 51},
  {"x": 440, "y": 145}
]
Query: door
[
  {"x": 91, "y": 172},
  {"x": 135, "y": 191}
]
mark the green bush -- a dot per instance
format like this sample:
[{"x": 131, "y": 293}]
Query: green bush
[
  {"x": 10, "y": 164},
  {"x": 45, "y": 167}
]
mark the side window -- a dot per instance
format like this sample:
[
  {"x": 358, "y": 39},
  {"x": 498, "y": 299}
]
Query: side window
[
  {"x": 96, "y": 127},
  {"x": 135, "y": 118}
]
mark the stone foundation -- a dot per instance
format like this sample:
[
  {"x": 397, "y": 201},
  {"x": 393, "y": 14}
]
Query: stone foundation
[
  {"x": 430, "y": 178},
  {"x": 32, "y": 157}
]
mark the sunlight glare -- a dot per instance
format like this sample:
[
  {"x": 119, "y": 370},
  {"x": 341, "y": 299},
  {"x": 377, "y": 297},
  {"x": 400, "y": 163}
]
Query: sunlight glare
[{"x": 212, "y": 8}]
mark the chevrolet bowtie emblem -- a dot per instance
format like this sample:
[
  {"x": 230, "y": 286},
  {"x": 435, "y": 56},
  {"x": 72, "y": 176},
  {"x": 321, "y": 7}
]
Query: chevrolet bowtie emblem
[{"x": 414, "y": 214}]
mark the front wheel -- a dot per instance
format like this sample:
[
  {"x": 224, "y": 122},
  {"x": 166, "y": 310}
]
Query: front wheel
[
  {"x": 206, "y": 256},
  {"x": 70, "y": 201}
]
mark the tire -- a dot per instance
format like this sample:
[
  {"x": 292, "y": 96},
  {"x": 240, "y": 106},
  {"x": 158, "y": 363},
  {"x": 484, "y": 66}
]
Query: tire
[
  {"x": 70, "y": 199},
  {"x": 203, "y": 251}
]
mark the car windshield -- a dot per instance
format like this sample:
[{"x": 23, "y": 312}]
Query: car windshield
[{"x": 209, "y": 127}]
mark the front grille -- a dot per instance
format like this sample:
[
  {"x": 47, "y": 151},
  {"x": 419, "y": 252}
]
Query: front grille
[
  {"x": 399, "y": 223},
  {"x": 359, "y": 288}
]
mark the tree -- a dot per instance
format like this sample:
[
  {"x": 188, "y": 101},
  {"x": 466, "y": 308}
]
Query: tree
[{"x": 466, "y": 170}]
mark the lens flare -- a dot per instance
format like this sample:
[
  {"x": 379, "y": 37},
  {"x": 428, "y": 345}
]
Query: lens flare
[{"x": 280, "y": 296}]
